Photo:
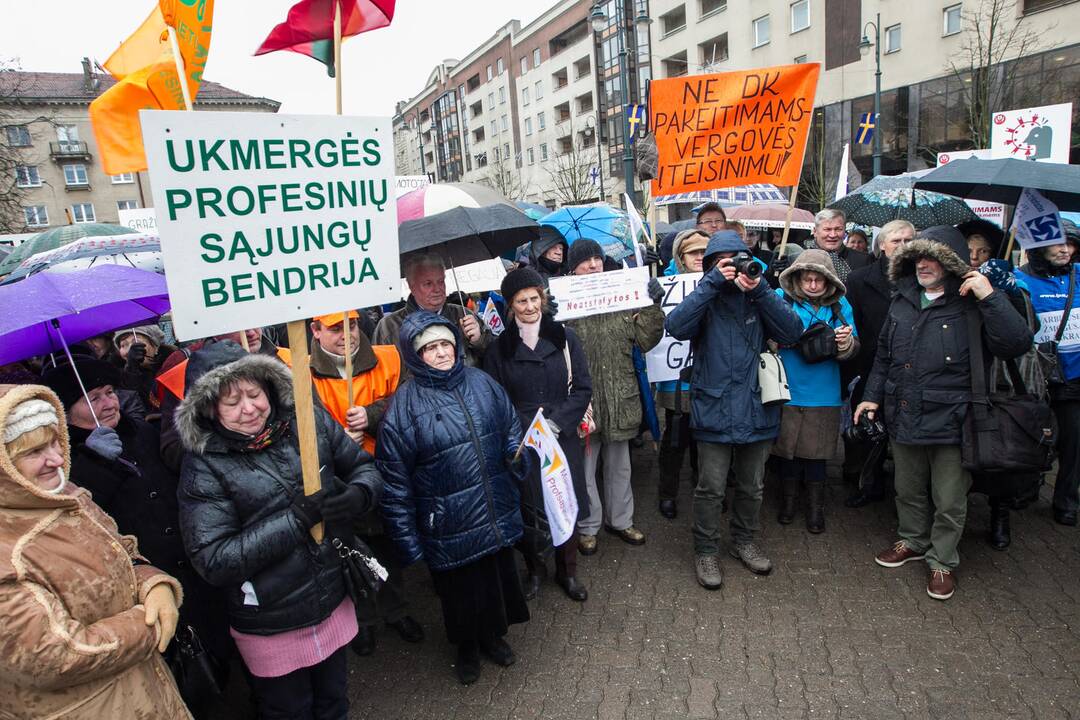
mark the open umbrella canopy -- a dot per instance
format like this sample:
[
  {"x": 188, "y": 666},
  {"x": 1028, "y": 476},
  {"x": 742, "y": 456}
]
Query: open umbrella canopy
[
  {"x": 83, "y": 303},
  {"x": 56, "y": 237},
  {"x": 741, "y": 195},
  {"x": 771, "y": 215},
  {"x": 466, "y": 235},
  {"x": 133, "y": 250},
  {"x": 599, "y": 222},
  {"x": 894, "y": 197},
  {"x": 440, "y": 197},
  {"x": 533, "y": 210},
  {"x": 1002, "y": 181}
]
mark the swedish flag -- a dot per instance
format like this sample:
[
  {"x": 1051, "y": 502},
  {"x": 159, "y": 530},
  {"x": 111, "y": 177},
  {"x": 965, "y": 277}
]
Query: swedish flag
[
  {"x": 864, "y": 135},
  {"x": 635, "y": 115}
]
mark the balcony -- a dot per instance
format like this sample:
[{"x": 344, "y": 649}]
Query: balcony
[
  {"x": 69, "y": 150},
  {"x": 559, "y": 79}
]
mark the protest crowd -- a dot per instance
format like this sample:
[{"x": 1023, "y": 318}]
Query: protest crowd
[{"x": 178, "y": 514}]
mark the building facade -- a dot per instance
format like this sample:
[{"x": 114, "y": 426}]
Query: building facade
[{"x": 53, "y": 156}]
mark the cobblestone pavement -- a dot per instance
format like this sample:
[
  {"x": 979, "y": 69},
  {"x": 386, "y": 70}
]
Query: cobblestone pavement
[{"x": 828, "y": 634}]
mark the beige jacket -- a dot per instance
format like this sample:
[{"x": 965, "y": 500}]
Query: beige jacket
[{"x": 73, "y": 640}]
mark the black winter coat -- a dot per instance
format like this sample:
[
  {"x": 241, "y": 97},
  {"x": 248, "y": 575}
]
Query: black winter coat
[
  {"x": 870, "y": 293},
  {"x": 234, "y": 505},
  {"x": 922, "y": 370},
  {"x": 538, "y": 378},
  {"x": 444, "y": 450}
]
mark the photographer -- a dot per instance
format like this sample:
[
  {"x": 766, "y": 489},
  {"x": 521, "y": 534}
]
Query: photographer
[{"x": 728, "y": 318}]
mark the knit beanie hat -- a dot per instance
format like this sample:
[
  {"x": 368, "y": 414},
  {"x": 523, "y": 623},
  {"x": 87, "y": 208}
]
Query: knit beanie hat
[
  {"x": 518, "y": 280},
  {"x": 151, "y": 332},
  {"x": 582, "y": 250},
  {"x": 433, "y": 333},
  {"x": 29, "y": 415},
  {"x": 94, "y": 373}
]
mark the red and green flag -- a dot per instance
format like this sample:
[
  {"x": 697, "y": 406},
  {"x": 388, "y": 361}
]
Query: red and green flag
[{"x": 309, "y": 27}]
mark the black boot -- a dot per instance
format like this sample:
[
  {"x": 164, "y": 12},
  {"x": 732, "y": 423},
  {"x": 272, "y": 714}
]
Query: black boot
[
  {"x": 999, "y": 524},
  {"x": 789, "y": 498},
  {"x": 815, "y": 506},
  {"x": 536, "y": 571}
]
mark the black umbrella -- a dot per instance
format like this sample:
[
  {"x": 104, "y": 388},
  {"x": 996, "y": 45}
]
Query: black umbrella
[
  {"x": 1002, "y": 181},
  {"x": 464, "y": 235}
]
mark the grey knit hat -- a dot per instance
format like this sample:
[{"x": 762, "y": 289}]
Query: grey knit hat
[{"x": 151, "y": 332}]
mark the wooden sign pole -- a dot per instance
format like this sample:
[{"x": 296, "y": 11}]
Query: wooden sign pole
[
  {"x": 787, "y": 220},
  {"x": 305, "y": 414}
]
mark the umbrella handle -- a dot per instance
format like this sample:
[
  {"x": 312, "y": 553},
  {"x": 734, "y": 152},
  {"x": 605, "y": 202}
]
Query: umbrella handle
[{"x": 71, "y": 360}]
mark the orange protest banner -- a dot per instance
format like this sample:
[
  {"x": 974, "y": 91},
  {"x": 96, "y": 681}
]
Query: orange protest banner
[{"x": 735, "y": 128}]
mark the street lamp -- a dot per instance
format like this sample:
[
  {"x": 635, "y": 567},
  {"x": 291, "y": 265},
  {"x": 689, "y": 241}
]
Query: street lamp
[
  {"x": 416, "y": 117},
  {"x": 599, "y": 21},
  {"x": 864, "y": 47},
  {"x": 595, "y": 127}
]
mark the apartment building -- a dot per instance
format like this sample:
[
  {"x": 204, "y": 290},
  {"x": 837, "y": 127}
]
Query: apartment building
[{"x": 57, "y": 167}]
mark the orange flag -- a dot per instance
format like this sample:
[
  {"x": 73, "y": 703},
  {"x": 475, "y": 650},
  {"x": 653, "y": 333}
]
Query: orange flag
[{"x": 146, "y": 71}]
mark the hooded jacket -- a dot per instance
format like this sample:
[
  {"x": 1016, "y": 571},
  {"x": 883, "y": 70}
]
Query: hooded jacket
[
  {"x": 444, "y": 450},
  {"x": 922, "y": 370},
  {"x": 728, "y": 329},
  {"x": 234, "y": 505},
  {"x": 388, "y": 331},
  {"x": 1048, "y": 288},
  {"x": 549, "y": 238},
  {"x": 74, "y": 642}
]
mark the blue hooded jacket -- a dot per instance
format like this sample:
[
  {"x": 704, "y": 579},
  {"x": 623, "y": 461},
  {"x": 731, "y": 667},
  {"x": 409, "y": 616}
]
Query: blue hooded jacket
[
  {"x": 728, "y": 329},
  {"x": 444, "y": 450}
]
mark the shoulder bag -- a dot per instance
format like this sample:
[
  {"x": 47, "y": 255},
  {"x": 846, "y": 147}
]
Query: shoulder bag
[
  {"x": 1003, "y": 434},
  {"x": 818, "y": 342},
  {"x": 772, "y": 376}
]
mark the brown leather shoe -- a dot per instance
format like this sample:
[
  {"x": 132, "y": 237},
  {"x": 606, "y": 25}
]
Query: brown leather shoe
[
  {"x": 942, "y": 585},
  {"x": 586, "y": 544},
  {"x": 897, "y": 555},
  {"x": 630, "y": 536}
]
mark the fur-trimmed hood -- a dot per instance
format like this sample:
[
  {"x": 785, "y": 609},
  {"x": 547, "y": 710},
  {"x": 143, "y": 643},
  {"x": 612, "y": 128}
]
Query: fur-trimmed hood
[
  {"x": 16, "y": 492},
  {"x": 817, "y": 261},
  {"x": 194, "y": 416},
  {"x": 903, "y": 260}
]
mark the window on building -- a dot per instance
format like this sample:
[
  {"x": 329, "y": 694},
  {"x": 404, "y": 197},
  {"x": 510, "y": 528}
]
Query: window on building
[
  {"x": 541, "y": 121},
  {"x": 800, "y": 15},
  {"x": 123, "y": 179},
  {"x": 506, "y": 151},
  {"x": 892, "y": 38},
  {"x": 505, "y": 123},
  {"x": 708, "y": 7},
  {"x": 36, "y": 215},
  {"x": 491, "y": 101},
  {"x": 489, "y": 74},
  {"x": 502, "y": 96},
  {"x": 494, "y": 127},
  {"x": 536, "y": 58},
  {"x": 1031, "y": 6},
  {"x": 127, "y": 204},
  {"x": 674, "y": 66},
  {"x": 68, "y": 137},
  {"x": 524, "y": 65},
  {"x": 498, "y": 154},
  {"x": 714, "y": 50},
  {"x": 528, "y": 126},
  {"x": 539, "y": 89},
  {"x": 83, "y": 213},
  {"x": 543, "y": 152},
  {"x": 761, "y": 31},
  {"x": 18, "y": 136},
  {"x": 75, "y": 175},
  {"x": 673, "y": 21},
  {"x": 951, "y": 17},
  {"x": 800, "y": 60},
  {"x": 461, "y": 91},
  {"x": 531, "y": 155},
  {"x": 525, "y": 97},
  {"x": 27, "y": 176},
  {"x": 499, "y": 66}
]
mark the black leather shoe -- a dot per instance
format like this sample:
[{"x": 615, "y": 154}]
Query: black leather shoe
[
  {"x": 364, "y": 642},
  {"x": 573, "y": 589},
  {"x": 530, "y": 584},
  {"x": 863, "y": 497},
  {"x": 468, "y": 664},
  {"x": 408, "y": 629},
  {"x": 498, "y": 651},
  {"x": 1065, "y": 517},
  {"x": 668, "y": 509}
]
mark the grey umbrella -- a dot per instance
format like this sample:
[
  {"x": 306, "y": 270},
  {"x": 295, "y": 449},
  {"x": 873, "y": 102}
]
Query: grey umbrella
[
  {"x": 1002, "y": 181},
  {"x": 894, "y": 197},
  {"x": 464, "y": 235}
]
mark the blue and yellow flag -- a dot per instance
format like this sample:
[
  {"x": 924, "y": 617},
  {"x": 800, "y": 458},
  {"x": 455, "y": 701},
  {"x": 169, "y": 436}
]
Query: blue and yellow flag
[
  {"x": 864, "y": 134},
  {"x": 635, "y": 115}
]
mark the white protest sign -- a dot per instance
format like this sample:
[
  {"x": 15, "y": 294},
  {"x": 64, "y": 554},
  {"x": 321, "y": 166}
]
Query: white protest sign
[
  {"x": 605, "y": 292},
  {"x": 472, "y": 278},
  {"x": 266, "y": 219},
  {"x": 1048, "y": 327},
  {"x": 140, "y": 220},
  {"x": 1036, "y": 221},
  {"x": 944, "y": 158},
  {"x": 670, "y": 356},
  {"x": 991, "y": 211},
  {"x": 1039, "y": 133},
  {"x": 560, "y": 502},
  {"x": 408, "y": 183}
]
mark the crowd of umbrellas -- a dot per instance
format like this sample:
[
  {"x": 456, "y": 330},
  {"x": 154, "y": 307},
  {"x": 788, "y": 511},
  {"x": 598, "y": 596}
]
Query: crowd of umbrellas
[{"x": 71, "y": 283}]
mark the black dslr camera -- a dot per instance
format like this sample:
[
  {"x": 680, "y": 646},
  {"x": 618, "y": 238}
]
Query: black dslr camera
[
  {"x": 866, "y": 431},
  {"x": 746, "y": 265}
]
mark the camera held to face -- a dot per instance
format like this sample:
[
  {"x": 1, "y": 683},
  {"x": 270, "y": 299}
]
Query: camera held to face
[{"x": 745, "y": 264}]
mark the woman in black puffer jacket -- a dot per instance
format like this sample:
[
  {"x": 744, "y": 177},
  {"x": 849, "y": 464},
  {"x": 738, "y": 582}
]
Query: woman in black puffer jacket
[
  {"x": 246, "y": 526},
  {"x": 447, "y": 452}
]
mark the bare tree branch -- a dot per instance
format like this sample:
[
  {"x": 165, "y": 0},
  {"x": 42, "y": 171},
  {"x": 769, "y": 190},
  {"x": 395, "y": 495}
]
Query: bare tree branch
[{"x": 570, "y": 175}]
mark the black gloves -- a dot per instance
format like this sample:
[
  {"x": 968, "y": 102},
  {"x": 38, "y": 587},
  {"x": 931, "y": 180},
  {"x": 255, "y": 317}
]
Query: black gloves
[
  {"x": 346, "y": 505},
  {"x": 553, "y": 305},
  {"x": 655, "y": 291},
  {"x": 649, "y": 256},
  {"x": 104, "y": 442},
  {"x": 780, "y": 264},
  {"x": 136, "y": 355},
  {"x": 308, "y": 508}
]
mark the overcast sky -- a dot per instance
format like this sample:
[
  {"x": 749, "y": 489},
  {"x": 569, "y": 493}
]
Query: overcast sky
[{"x": 380, "y": 67}]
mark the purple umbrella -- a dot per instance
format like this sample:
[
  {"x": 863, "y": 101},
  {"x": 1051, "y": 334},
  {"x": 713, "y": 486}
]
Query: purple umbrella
[{"x": 47, "y": 311}]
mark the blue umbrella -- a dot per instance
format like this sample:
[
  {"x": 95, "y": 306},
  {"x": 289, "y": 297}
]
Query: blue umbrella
[
  {"x": 648, "y": 402},
  {"x": 599, "y": 222},
  {"x": 533, "y": 210}
]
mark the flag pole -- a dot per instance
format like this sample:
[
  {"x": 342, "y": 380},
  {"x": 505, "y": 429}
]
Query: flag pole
[
  {"x": 337, "y": 94},
  {"x": 787, "y": 220},
  {"x": 180, "y": 72}
]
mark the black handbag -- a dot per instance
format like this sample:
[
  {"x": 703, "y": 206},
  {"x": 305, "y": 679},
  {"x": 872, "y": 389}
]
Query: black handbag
[
  {"x": 818, "y": 342},
  {"x": 1004, "y": 433},
  {"x": 1048, "y": 351},
  {"x": 362, "y": 572},
  {"x": 194, "y": 669}
]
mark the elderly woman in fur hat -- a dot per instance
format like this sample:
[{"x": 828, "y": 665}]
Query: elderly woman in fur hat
[{"x": 810, "y": 423}]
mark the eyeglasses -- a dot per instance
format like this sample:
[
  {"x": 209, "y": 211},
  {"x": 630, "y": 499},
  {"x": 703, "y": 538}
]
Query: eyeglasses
[{"x": 710, "y": 222}]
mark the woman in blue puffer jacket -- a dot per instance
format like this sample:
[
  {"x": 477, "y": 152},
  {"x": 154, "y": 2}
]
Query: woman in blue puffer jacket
[{"x": 447, "y": 452}]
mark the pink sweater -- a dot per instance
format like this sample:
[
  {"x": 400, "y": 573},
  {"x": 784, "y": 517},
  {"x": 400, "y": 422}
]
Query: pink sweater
[{"x": 283, "y": 653}]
